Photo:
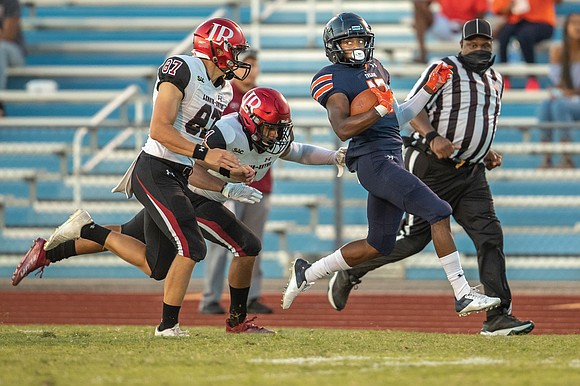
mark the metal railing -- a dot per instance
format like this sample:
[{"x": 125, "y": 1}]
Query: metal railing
[{"x": 130, "y": 94}]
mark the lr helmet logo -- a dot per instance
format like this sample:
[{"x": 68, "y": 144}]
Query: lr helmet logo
[
  {"x": 219, "y": 33},
  {"x": 253, "y": 100}
]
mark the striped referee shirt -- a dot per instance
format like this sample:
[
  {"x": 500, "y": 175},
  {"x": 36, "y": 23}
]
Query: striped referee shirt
[{"x": 466, "y": 109}]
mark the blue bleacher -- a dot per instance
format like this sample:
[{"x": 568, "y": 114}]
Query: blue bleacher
[{"x": 49, "y": 190}]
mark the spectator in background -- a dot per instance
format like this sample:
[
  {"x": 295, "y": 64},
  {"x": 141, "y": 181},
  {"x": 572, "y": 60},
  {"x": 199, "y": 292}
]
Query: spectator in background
[
  {"x": 530, "y": 22},
  {"x": 253, "y": 215},
  {"x": 446, "y": 24},
  {"x": 564, "y": 102},
  {"x": 12, "y": 49}
]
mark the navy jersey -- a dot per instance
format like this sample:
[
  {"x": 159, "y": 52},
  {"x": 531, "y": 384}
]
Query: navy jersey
[{"x": 351, "y": 81}]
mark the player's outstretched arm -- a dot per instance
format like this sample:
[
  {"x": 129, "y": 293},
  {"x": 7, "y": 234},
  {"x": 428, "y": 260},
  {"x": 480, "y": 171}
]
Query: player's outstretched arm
[
  {"x": 410, "y": 108},
  {"x": 315, "y": 155}
]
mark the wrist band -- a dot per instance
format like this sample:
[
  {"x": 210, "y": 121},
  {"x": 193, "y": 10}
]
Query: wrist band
[
  {"x": 381, "y": 110},
  {"x": 429, "y": 90},
  {"x": 224, "y": 172},
  {"x": 430, "y": 136},
  {"x": 199, "y": 152}
]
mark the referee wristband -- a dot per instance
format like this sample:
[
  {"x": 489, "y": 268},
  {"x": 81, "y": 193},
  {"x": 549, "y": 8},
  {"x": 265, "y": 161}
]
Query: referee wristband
[
  {"x": 430, "y": 136},
  {"x": 199, "y": 152}
]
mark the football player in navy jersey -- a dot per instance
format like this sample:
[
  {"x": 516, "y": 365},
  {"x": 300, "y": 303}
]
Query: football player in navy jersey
[
  {"x": 190, "y": 95},
  {"x": 374, "y": 153}
]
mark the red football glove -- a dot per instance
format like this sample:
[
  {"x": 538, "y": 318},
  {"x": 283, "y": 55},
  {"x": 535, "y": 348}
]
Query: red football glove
[
  {"x": 385, "y": 99},
  {"x": 438, "y": 77}
]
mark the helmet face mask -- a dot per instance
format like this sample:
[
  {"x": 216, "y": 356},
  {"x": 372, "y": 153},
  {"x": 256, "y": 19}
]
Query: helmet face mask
[
  {"x": 265, "y": 116},
  {"x": 222, "y": 41},
  {"x": 344, "y": 26}
]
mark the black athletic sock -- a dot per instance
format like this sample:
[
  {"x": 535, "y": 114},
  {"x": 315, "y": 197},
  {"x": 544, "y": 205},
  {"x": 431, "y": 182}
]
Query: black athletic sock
[
  {"x": 238, "y": 305},
  {"x": 95, "y": 232},
  {"x": 62, "y": 251},
  {"x": 170, "y": 316}
]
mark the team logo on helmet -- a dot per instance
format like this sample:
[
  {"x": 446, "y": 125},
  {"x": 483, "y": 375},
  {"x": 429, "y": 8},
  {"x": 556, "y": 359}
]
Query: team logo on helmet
[
  {"x": 252, "y": 100},
  {"x": 220, "y": 33}
]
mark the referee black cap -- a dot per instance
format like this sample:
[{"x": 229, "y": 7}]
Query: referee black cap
[{"x": 477, "y": 27}]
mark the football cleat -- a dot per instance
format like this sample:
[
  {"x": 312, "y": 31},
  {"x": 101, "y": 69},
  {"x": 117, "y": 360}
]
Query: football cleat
[
  {"x": 506, "y": 325},
  {"x": 475, "y": 302},
  {"x": 69, "y": 230},
  {"x": 34, "y": 259},
  {"x": 339, "y": 287},
  {"x": 297, "y": 282},
  {"x": 247, "y": 327},
  {"x": 173, "y": 332}
]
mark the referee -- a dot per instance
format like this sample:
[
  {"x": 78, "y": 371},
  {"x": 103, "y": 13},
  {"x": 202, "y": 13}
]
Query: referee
[{"x": 449, "y": 151}]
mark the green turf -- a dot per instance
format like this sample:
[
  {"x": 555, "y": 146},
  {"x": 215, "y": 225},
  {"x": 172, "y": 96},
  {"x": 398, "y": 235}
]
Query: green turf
[{"x": 95, "y": 355}]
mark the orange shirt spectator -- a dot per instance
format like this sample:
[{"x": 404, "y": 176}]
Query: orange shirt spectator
[
  {"x": 529, "y": 22},
  {"x": 539, "y": 11}
]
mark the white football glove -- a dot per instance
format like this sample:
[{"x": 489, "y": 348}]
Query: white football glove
[
  {"x": 339, "y": 159},
  {"x": 242, "y": 192}
]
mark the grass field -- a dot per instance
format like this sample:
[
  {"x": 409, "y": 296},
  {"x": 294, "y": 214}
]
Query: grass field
[{"x": 99, "y": 355}]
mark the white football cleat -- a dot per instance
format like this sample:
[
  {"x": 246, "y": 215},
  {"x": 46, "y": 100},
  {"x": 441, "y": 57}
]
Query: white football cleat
[
  {"x": 69, "y": 230},
  {"x": 173, "y": 332},
  {"x": 297, "y": 282},
  {"x": 475, "y": 302}
]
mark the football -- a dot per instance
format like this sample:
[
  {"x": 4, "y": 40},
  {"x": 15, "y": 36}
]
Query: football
[{"x": 363, "y": 102}]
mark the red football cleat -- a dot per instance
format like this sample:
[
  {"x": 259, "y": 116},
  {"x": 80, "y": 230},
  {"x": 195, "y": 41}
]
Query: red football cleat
[
  {"x": 247, "y": 327},
  {"x": 34, "y": 259}
]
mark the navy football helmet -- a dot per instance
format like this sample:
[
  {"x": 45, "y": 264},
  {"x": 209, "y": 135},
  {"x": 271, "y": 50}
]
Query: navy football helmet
[{"x": 348, "y": 25}]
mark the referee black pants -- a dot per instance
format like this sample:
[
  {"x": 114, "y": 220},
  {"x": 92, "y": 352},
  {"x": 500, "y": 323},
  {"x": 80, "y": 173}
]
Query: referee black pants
[{"x": 467, "y": 191}]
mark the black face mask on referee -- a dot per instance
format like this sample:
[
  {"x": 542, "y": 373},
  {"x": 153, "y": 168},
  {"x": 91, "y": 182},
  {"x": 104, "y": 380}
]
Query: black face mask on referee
[{"x": 477, "y": 61}]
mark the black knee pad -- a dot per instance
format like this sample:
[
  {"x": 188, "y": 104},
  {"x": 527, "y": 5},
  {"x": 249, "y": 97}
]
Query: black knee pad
[
  {"x": 160, "y": 264},
  {"x": 252, "y": 246}
]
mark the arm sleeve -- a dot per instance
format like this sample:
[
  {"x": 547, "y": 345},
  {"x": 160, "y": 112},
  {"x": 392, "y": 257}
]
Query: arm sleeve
[
  {"x": 309, "y": 154},
  {"x": 417, "y": 98},
  {"x": 411, "y": 107}
]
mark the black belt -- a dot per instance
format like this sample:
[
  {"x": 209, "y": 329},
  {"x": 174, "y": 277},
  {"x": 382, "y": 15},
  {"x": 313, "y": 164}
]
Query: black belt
[{"x": 420, "y": 145}]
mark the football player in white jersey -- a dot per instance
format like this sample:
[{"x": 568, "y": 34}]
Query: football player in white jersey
[
  {"x": 260, "y": 134},
  {"x": 190, "y": 95}
]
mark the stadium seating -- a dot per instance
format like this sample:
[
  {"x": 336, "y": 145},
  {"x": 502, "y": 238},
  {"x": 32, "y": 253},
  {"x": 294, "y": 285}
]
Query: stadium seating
[{"x": 95, "y": 50}]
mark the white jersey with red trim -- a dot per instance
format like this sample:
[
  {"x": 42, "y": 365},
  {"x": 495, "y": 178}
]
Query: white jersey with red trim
[
  {"x": 229, "y": 134},
  {"x": 202, "y": 105}
]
